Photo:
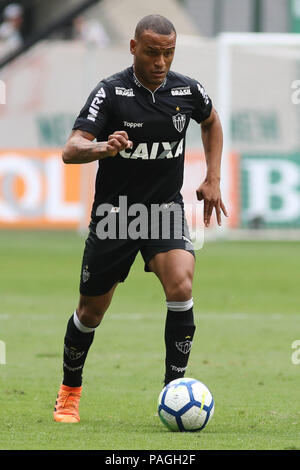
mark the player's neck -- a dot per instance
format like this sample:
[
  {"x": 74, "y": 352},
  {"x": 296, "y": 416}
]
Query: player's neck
[{"x": 150, "y": 86}]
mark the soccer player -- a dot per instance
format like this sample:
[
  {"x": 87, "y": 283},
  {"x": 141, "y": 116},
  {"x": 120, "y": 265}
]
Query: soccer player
[{"x": 139, "y": 119}]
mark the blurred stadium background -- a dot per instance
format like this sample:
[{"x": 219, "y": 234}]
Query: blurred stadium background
[{"x": 244, "y": 52}]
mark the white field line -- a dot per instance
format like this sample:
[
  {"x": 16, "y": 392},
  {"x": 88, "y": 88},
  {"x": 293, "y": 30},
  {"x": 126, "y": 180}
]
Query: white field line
[{"x": 141, "y": 316}]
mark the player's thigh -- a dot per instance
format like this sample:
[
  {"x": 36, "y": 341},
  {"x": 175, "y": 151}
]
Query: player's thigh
[
  {"x": 175, "y": 270},
  {"x": 171, "y": 256},
  {"x": 105, "y": 263}
]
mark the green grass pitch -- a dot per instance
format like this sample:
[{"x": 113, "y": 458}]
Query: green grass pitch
[{"x": 246, "y": 297}]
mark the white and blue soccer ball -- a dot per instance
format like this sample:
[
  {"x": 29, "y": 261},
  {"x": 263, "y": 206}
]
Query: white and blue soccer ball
[{"x": 185, "y": 405}]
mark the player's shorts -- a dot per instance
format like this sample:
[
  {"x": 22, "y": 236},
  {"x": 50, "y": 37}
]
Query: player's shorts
[{"x": 107, "y": 261}]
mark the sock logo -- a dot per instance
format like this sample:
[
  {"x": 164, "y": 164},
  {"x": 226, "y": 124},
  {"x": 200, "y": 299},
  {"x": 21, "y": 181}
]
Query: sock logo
[
  {"x": 73, "y": 354},
  {"x": 184, "y": 346},
  {"x": 178, "y": 369},
  {"x": 72, "y": 369}
]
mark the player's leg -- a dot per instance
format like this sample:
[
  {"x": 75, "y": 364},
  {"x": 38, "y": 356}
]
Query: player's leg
[
  {"x": 80, "y": 335},
  {"x": 175, "y": 270},
  {"x": 78, "y": 339},
  {"x": 105, "y": 263}
]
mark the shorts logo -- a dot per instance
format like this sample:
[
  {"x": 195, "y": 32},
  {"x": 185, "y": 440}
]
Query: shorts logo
[
  {"x": 181, "y": 91},
  {"x": 184, "y": 346},
  {"x": 85, "y": 274},
  {"x": 124, "y": 91},
  {"x": 186, "y": 239},
  {"x": 179, "y": 121}
]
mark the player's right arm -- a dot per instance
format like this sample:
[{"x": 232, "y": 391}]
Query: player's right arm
[
  {"x": 80, "y": 147},
  {"x": 90, "y": 124}
]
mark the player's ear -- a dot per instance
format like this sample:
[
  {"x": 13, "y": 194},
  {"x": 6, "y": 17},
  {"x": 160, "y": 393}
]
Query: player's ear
[{"x": 132, "y": 46}]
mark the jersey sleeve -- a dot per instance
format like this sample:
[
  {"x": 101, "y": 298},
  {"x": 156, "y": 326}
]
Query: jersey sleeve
[
  {"x": 202, "y": 103},
  {"x": 94, "y": 115}
]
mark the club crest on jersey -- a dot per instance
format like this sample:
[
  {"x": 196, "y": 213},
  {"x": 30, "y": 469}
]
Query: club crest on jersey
[{"x": 179, "y": 121}]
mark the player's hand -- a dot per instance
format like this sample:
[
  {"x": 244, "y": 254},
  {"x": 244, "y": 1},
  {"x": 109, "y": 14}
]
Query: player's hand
[
  {"x": 117, "y": 142},
  {"x": 210, "y": 193}
]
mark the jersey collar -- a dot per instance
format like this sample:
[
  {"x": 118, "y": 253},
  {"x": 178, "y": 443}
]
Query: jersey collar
[{"x": 139, "y": 84}]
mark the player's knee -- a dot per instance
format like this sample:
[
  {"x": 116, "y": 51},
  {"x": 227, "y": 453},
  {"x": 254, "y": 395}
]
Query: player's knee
[
  {"x": 91, "y": 312},
  {"x": 179, "y": 289},
  {"x": 89, "y": 316}
]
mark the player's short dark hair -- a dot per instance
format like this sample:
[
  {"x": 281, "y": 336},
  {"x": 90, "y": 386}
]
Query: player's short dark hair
[{"x": 157, "y": 23}]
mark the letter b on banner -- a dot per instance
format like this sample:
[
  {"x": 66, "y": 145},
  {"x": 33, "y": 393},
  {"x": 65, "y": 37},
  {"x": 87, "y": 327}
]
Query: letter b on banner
[{"x": 271, "y": 190}]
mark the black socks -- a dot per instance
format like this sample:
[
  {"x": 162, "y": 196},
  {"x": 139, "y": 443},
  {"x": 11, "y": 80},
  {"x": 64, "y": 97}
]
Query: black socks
[
  {"x": 179, "y": 333},
  {"x": 78, "y": 340}
]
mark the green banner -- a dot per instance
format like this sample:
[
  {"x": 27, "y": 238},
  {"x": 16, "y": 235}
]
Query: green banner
[
  {"x": 294, "y": 6},
  {"x": 54, "y": 129},
  {"x": 270, "y": 191}
]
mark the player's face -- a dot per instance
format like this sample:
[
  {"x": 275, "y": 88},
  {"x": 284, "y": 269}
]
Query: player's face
[{"x": 153, "y": 55}]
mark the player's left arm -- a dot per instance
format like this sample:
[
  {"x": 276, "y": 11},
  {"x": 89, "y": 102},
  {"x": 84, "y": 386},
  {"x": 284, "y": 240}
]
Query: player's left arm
[{"x": 209, "y": 191}]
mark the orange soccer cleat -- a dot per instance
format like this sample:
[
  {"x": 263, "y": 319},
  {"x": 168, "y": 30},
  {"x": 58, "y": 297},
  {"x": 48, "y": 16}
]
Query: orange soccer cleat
[{"x": 66, "y": 409}]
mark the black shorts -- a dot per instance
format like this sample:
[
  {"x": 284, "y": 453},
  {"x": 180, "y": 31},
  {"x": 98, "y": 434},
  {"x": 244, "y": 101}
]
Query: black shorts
[{"x": 107, "y": 261}]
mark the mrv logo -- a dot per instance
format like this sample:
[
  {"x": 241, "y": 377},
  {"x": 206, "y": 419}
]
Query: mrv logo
[
  {"x": 155, "y": 150},
  {"x": 94, "y": 107}
]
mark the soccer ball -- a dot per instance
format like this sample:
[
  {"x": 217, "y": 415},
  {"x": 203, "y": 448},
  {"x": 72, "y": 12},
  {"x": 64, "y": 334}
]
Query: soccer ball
[{"x": 185, "y": 405}]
